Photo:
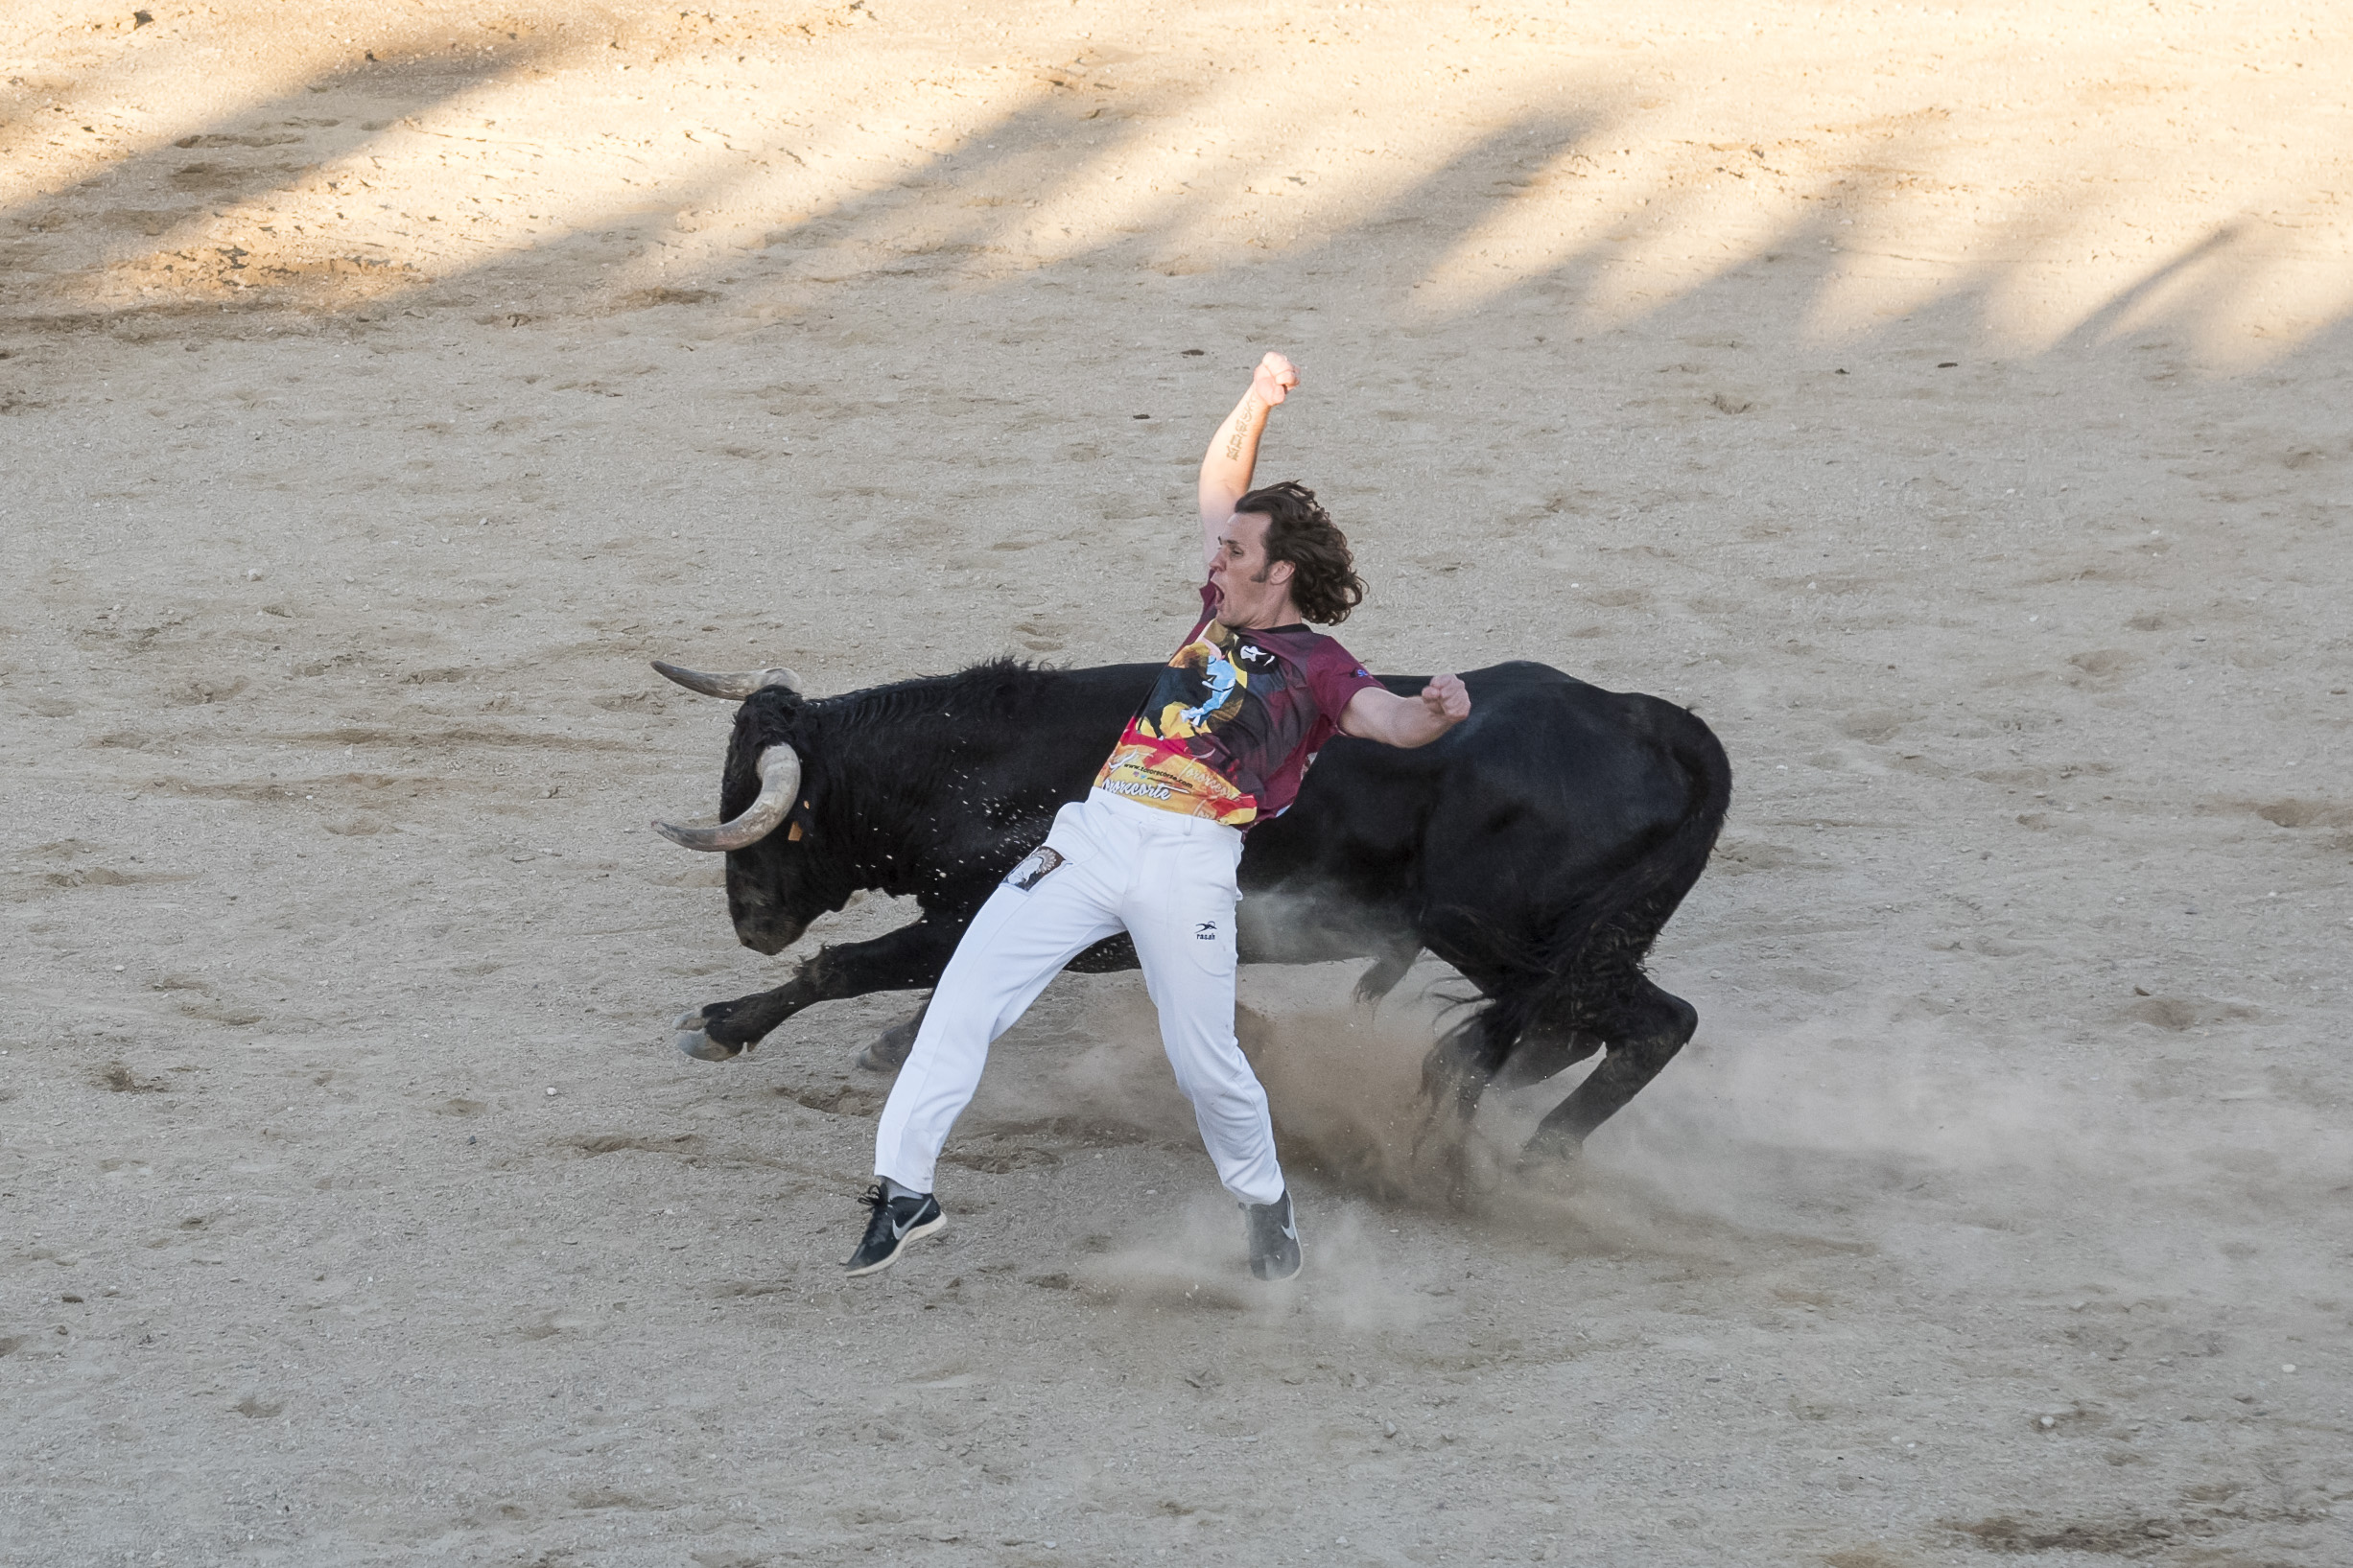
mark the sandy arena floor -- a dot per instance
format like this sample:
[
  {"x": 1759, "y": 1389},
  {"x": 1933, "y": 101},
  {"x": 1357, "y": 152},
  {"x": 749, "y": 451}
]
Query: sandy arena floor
[{"x": 1950, "y": 403}]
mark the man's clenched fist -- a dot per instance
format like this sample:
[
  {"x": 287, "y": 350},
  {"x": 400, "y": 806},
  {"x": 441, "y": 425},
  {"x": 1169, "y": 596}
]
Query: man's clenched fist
[
  {"x": 1447, "y": 699},
  {"x": 1272, "y": 382}
]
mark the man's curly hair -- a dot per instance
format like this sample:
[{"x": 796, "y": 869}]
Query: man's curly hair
[{"x": 1324, "y": 580}]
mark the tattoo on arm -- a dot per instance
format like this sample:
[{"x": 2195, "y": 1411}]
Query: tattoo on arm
[{"x": 1242, "y": 422}]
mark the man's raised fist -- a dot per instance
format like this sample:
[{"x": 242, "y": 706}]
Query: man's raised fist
[{"x": 1274, "y": 379}]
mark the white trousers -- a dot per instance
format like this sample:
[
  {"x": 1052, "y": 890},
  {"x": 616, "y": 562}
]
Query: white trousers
[{"x": 1108, "y": 865}]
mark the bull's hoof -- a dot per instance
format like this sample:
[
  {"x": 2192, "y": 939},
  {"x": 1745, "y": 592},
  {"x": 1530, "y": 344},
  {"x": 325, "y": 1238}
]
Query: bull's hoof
[
  {"x": 889, "y": 1050},
  {"x": 1551, "y": 1149},
  {"x": 1450, "y": 1158},
  {"x": 694, "y": 1042},
  {"x": 1474, "y": 1175}
]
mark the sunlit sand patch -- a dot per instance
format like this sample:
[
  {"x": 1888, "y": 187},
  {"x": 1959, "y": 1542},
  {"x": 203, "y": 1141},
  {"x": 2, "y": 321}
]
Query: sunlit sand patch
[
  {"x": 196, "y": 274},
  {"x": 1630, "y": 178},
  {"x": 2248, "y": 295},
  {"x": 48, "y": 151},
  {"x": 1288, "y": 186},
  {"x": 1632, "y": 255},
  {"x": 865, "y": 186},
  {"x": 254, "y": 219},
  {"x": 503, "y": 115}
]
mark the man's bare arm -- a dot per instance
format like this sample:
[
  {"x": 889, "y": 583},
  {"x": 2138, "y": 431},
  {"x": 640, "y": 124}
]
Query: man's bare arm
[
  {"x": 1373, "y": 714},
  {"x": 1232, "y": 456}
]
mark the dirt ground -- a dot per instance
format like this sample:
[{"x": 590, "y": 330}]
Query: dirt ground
[{"x": 1948, "y": 403}]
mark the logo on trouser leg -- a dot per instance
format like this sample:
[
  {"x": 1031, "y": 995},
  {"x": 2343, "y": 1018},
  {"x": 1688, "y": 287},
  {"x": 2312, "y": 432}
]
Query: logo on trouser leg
[
  {"x": 1043, "y": 862},
  {"x": 1206, "y": 931}
]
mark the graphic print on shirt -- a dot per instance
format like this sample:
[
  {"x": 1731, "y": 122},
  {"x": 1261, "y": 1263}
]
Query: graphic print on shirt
[
  {"x": 1223, "y": 688},
  {"x": 1233, "y": 721},
  {"x": 1168, "y": 755}
]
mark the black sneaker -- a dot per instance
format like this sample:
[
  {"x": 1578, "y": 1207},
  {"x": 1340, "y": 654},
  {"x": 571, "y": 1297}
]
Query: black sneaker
[
  {"x": 900, "y": 1216},
  {"x": 1274, "y": 1238}
]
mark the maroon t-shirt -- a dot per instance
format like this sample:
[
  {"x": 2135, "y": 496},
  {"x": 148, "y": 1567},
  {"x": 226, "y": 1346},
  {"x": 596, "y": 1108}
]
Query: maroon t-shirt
[{"x": 1235, "y": 721}]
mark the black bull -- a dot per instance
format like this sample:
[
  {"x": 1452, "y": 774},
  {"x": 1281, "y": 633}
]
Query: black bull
[{"x": 1538, "y": 848}]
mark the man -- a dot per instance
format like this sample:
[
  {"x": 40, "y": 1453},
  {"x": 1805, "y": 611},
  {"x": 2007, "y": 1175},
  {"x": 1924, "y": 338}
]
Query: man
[{"x": 1221, "y": 742}]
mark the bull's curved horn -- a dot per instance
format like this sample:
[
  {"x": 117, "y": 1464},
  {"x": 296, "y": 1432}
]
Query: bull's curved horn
[
  {"x": 780, "y": 784},
  {"x": 737, "y": 686}
]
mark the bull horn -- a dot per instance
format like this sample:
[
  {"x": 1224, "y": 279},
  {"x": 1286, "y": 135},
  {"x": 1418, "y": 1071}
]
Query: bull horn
[
  {"x": 736, "y": 685},
  {"x": 780, "y": 784}
]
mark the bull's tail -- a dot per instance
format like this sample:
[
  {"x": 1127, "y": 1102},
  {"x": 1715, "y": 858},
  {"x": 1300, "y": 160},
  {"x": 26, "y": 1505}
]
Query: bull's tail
[{"x": 1591, "y": 955}]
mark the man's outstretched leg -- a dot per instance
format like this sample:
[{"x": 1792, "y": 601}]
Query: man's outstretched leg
[{"x": 1052, "y": 907}]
